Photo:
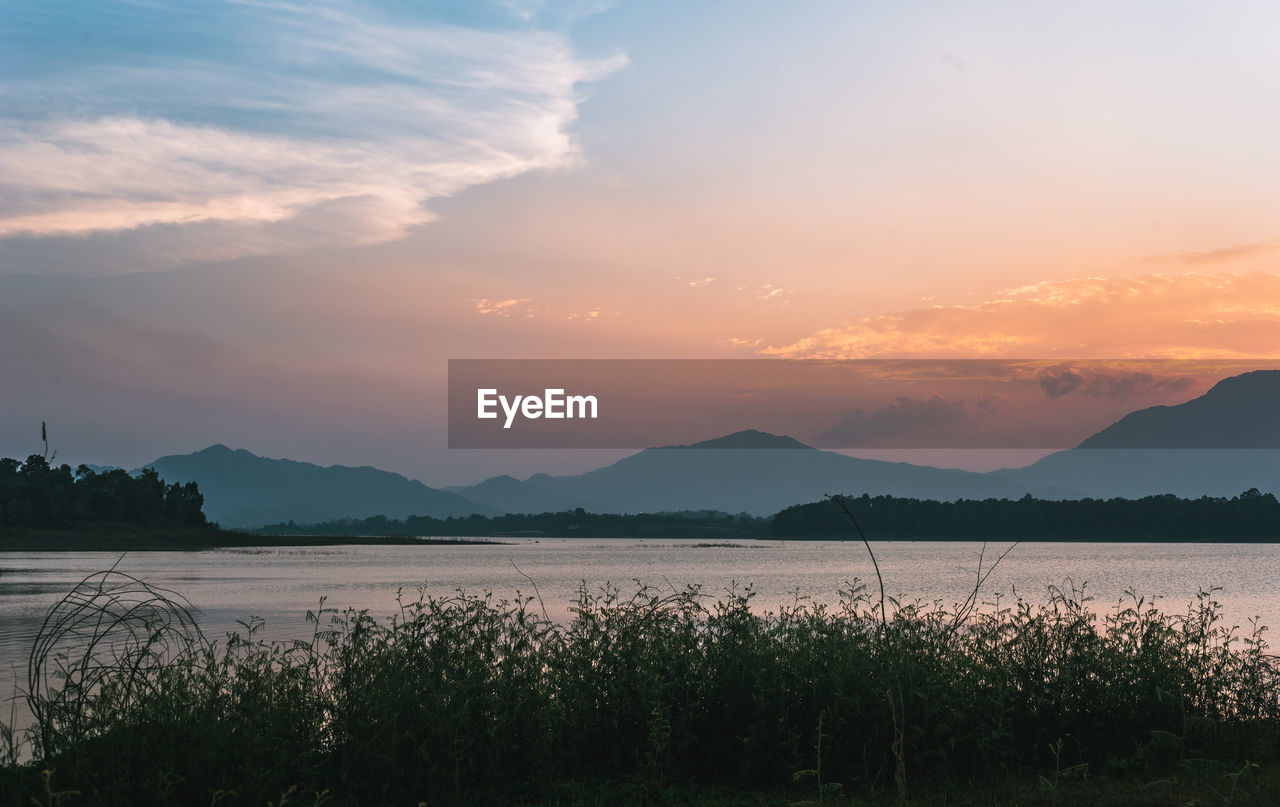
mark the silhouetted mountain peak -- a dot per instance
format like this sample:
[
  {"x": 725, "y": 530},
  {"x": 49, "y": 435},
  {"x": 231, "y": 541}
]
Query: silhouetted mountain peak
[
  {"x": 1261, "y": 383},
  {"x": 675, "y": 478},
  {"x": 215, "y": 450},
  {"x": 500, "y": 482},
  {"x": 1237, "y": 412},
  {"x": 244, "y": 489},
  {"x": 749, "y": 438}
]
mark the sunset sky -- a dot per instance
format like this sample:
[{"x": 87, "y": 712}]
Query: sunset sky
[{"x": 270, "y": 224}]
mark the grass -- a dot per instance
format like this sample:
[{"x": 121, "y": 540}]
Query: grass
[{"x": 650, "y": 697}]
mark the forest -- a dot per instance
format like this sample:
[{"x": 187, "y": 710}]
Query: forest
[
  {"x": 35, "y": 495},
  {"x": 567, "y": 524},
  {"x": 1250, "y": 516}
]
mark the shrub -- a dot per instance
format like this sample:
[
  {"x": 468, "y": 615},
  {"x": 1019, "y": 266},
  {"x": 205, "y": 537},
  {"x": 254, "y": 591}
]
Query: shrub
[{"x": 466, "y": 700}]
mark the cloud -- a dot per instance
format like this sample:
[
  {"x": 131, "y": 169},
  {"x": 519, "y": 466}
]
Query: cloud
[
  {"x": 1115, "y": 385},
  {"x": 518, "y": 306},
  {"x": 1212, "y": 316},
  {"x": 328, "y": 124},
  {"x": 908, "y": 420},
  {"x": 1223, "y": 255},
  {"x": 501, "y": 308},
  {"x": 521, "y": 9},
  {"x": 768, "y": 291}
]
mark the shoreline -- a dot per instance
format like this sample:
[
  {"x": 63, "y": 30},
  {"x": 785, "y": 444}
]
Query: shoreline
[{"x": 168, "y": 542}]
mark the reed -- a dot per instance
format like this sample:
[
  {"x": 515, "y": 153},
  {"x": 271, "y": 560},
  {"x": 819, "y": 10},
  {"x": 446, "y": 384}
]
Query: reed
[{"x": 646, "y": 697}]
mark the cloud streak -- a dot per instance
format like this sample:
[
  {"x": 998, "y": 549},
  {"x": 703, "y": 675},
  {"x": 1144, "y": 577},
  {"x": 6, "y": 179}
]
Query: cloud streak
[
  {"x": 1222, "y": 255},
  {"x": 1211, "y": 316},
  {"x": 500, "y": 308},
  {"x": 909, "y": 418},
  {"x": 342, "y": 125},
  {"x": 1121, "y": 385}
]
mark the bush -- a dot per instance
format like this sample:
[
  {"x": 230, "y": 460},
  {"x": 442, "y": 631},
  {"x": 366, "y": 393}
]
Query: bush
[{"x": 467, "y": 700}]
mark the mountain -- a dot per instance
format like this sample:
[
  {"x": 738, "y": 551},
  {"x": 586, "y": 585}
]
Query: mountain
[
  {"x": 506, "y": 494},
  {"x": 1238, "y": 412},
  {"x": 102, "y": 469},
  {"x": 242, "y": 489},
  {"x": 1219, "y": 444},
  {"x": 749, "y": 438},
  {"x": 749, "y": 471}
]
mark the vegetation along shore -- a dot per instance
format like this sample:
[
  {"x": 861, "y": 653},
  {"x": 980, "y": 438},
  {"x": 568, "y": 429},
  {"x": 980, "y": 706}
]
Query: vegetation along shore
[{"x": 648, "y": 697}]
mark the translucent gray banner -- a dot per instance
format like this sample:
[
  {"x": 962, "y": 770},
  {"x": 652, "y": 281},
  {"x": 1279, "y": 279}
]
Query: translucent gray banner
[{"x": 864, "y": 404}]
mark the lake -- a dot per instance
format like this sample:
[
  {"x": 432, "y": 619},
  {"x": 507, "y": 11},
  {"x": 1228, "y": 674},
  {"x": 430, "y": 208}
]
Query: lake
[{"x": 281, "y": 584}]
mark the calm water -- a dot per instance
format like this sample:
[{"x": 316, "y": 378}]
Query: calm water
[{"x": 281, "y": 584}]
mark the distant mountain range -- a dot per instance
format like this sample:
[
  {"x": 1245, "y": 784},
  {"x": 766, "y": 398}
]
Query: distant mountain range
[
  {"x": 242, "y": 489},
  {"x": 1219, "y": 444},
  {"x": 746, "y": 472}
]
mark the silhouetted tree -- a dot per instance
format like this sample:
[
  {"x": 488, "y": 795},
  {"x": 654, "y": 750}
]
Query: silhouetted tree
[
  {"x": 37, "y": 495},
  {"x": 1251, "y": 515}
]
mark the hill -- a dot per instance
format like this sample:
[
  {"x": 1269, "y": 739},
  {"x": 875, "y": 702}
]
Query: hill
[
  {"x": 1218, "y": 444},
  {"x": 242, "y": 489},
  {"x": 744, "y": 472}
]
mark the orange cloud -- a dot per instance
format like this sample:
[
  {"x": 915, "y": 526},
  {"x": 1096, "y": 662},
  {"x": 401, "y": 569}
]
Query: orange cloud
[
  {"x": 1222, "y": 255},
  {"x": 501, "y": 308},
  {"x": 1186, "y": 316}
]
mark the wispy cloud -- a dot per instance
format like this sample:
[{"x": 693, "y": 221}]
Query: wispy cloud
[
  {"x": 1186, "y": 316},
  {"x": 1222, "y": 255},
  {"x": 1118, "y": 385},
  {"x": 768, "y": 291},
  {"x": 500, "y": 308},
  {"x": 338, "y": 126},
  {"x": 908, "y": 418},
  {"x": 520, "y": 307}
]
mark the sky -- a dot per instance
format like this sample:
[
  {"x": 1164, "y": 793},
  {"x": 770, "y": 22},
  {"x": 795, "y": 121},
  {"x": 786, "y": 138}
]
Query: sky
[{"x": 271, "y": 224}]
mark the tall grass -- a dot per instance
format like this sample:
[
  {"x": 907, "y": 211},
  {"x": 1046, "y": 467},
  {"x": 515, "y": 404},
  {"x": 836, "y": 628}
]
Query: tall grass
[{"x": 465, "y": 699}]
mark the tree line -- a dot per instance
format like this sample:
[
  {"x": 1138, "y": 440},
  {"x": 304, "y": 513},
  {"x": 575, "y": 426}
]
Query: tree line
[
  {"x": 37, "y": 495},
  {"x": 1250, "y": 516},
  {"x": 569, "y": 523}
]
